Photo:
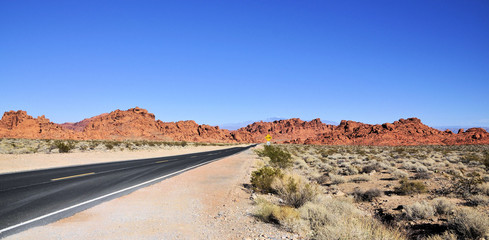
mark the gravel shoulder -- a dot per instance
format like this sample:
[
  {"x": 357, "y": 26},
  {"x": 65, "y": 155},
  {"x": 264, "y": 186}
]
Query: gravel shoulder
[{"x": 209, "y": 202}]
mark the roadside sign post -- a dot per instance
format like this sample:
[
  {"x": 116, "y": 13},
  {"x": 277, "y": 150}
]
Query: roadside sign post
[{"x": 268, "y": 138}]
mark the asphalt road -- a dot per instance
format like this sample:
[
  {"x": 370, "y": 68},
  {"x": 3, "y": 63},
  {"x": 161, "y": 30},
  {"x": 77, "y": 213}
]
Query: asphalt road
[{"x": 36, "y": 198}]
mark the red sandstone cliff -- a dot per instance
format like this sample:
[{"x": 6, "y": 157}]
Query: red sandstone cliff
[{"x": 137, "y": 123}]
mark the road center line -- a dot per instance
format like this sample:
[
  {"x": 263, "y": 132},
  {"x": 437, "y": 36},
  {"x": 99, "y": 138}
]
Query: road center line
[
  {"x": 162, "y": 161},
  {"x": 74, "y": 176}
]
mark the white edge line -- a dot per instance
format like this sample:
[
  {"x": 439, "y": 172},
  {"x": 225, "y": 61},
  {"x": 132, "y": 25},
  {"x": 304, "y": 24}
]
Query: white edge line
[{"x": 101, "y": 197}]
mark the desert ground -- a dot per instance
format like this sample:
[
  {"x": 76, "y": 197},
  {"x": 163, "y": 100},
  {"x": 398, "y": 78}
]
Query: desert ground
[
  {"x": 368, "y": 192},
  {"x": 281, "y": 192}
]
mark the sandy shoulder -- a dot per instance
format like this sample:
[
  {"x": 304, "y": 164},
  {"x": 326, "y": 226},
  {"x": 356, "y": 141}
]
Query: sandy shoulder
[
  {"x": 35, "y": 161},
  {"x": 208, "y": 202}
]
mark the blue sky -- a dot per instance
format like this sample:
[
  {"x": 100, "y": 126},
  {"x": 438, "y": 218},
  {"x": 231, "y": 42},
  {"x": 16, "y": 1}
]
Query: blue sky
[{"x": 231, "y": 61}]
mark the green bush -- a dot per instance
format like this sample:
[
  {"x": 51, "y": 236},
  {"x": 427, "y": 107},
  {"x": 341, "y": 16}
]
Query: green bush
[
  {"x": 410, "y": 187},
  {"x": 278, "y": 157},
  {"x": 262, "y": 179},
  {"x": 64, "y": 147},
  {"x": 110, "y": 145}
]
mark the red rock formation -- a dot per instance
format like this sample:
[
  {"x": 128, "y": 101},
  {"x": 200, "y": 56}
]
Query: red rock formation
[
  {"x": 20, "y": 125},
  {"x": 137, "y": 123},
  {"x": 79, "y": 126},
  {"x": 191, "y": 131}
]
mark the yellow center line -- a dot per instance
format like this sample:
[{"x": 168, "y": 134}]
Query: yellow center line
[
  {"x": 79, "y": 175},
  {"x": 162, "y": 161}
]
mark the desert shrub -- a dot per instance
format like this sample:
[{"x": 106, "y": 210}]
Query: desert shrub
[
  {"x": 423, "y": 175},
  {"x": 371, "y": 167},
  {"x": 326, "y": 152},
  {"x": 467, "y": 185},
  {"x": 110, "y": 145},
  {"x": 470, "y": 157},
  {"x": 361, "y": 178},
  {"x": 442, "y": 206},
  {"x": 485, "y": 159},
  {"x": 278, "y": 157},
  {"x": 409, "y": 187},
  {"x": 347, "y": 169},
  {"x": 339, "y": 219},
  {"x": 483, "y": 189},
  {"x": 478, "y": 200},
  {"x": 64, "y": 147},
  {"x": 301, "y": 164},
  {"x": 447, "y": 235},
  {"x": 336, "y": 179},
  {"x": 366, "y": 196},
  {"x": 470, "y": 224},
  {"x": 93, "y": 144},
  {"x": 419, "y": 210},
  {"x": 295, "y": 190},
  {"x": 399, "y": 174},
  {"x": 269, "y": 212},
  {"x": 262, "y": 179},
  {"x": 416, "y": 167}
]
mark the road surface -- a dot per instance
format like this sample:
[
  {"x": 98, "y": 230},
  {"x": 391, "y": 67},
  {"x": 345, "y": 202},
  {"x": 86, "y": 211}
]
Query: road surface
[{"x": 36, "y": 198}]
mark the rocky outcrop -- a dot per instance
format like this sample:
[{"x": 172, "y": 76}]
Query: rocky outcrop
[
  {"x": 17, "y": 124},
  {"x": 137, "y": 123}
]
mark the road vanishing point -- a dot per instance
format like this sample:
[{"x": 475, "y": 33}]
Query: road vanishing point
[{"x": 36, "y": 198}]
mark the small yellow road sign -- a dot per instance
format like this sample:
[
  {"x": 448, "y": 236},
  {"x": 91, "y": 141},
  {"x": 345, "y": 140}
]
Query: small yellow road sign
[{"x": 268, "y": 137}]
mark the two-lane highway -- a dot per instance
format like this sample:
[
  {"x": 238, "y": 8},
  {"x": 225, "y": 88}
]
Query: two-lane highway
[{"x": 39, "y": 197}]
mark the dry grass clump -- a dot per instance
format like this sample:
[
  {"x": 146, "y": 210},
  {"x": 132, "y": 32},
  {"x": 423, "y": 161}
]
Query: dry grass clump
[
  {"x": 283, "y": 215},
  {"x": 339, "y": 219},
  {"x": 347, "y": 169},
  {"x": 470, "y": 224},
  {"x": 443, "y": 206},
  {"x": 483, "y": 188},
  {"x": 447, "y": 235},
  {"x": 361, "y": 178},
  {"x": 416, "y": 167},
  {"x": 478, "y": 200},
  {"x": 295, "y": 190},
  {"x": 399, "y": 174},
  {"x": 336, "y": 179},
  {"x": 419, "y": 210},
  {"x": 423, "y": 175},
  {"x": 376, "y": 166}
]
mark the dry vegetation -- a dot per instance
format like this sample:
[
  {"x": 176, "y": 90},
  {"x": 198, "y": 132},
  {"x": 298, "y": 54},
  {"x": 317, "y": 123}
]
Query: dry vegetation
[
  {"x": 23, "y": 146},
  {"x": 368, "y": 192}
]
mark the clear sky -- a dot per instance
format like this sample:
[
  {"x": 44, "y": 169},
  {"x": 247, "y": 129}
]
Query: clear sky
[{"x": 231, "y": 61}]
